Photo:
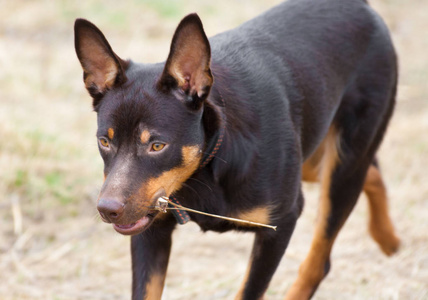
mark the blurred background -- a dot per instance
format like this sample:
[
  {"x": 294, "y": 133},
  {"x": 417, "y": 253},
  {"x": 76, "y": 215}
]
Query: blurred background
[{"x": 53, "y": 245}]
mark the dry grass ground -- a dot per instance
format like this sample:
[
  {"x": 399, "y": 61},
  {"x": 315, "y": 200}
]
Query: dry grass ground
[{"x": 52, "y": 245}]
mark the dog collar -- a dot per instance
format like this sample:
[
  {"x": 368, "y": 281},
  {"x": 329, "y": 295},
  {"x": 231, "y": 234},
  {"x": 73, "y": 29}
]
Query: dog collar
[
  {"x": 215, "y": 149},
  {"x": 182, "y": 216},
  {"x": 219, "y": 141}
]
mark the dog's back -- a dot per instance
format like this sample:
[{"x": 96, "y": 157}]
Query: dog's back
[{"x": 301, "y": 51}]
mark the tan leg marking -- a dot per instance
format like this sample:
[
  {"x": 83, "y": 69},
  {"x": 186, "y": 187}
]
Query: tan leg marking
[
  {"x": 318, "y": 168},
  {"x": 311, "y": 271},
  {"x": 110, "y": 133},
  {"x": 240, "y": 294},
  {"x": 380, "y": 224},
  {"x": 258, "y": 215},
  {"x": 154, "y": 287},
  {"x": 145, "y": 136},
  {"x": 312, "y": 167}
]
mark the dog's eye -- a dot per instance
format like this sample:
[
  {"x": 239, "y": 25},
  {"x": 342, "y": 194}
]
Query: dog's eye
[
  {"x": 104, "y": 142},
  {"x": 157, "y": 146}
]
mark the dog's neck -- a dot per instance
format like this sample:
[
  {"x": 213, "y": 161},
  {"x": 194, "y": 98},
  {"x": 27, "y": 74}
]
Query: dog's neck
[{"x": 214, "y": 142}]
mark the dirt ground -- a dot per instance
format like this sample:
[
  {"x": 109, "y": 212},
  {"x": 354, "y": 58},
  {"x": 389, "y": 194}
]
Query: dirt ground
[{"x": 53, "y": 245}]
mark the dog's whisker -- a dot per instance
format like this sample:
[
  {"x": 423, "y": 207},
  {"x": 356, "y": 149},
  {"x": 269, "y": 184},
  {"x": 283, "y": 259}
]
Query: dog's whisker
[
  {"x": 192, "y": 189},
  {"x": 201, "y": 182},
  {"x": 96, "y": 217}
]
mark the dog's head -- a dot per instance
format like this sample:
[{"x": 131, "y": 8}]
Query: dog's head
[{"x": 150, "y": 129}]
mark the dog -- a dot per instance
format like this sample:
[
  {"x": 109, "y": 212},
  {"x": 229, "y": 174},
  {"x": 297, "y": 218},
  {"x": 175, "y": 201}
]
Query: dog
[{"x": 232, "y": 124}]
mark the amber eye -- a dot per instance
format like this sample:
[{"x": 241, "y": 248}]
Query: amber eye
[
  {"x": 104, "y": 142},
  {"x": 157, "y": 146}
]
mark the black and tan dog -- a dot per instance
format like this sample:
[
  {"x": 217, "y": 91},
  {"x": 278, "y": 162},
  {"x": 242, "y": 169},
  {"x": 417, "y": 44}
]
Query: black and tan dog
[{"x": 230, "y": 125}]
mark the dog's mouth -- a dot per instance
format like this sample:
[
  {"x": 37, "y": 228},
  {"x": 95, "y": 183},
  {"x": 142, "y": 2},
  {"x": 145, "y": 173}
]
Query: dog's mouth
[
  {"x": 137, "y": 227},
  {"x": 119, "y": 217}
]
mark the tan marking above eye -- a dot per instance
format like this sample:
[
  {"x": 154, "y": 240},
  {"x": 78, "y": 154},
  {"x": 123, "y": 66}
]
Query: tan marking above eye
[
  {"x": 145, "y": 136},
  {"x": 110, "y": 133}
]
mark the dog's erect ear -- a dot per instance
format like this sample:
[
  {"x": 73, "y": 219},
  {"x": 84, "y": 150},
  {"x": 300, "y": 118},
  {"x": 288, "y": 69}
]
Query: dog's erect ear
[
  {"x": 102, "y": 68},
  {"x": 188, "y": 63}
]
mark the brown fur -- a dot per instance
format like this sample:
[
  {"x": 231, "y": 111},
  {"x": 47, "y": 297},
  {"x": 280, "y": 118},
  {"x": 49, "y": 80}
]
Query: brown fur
[
  {"x": 258, "y": 215},
  {"x": 311, "y": 271},
  {"x": 154, "y": 287},
  {"x": 380, "y": 224},
  {"x": 145, "y": 136},
  {"x": 172, "y": 180},
  {"x": 110, "y": 133}
]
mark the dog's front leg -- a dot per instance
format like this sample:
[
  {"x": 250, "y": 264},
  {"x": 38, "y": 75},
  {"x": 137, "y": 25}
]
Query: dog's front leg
[
  {"x": 268, "y": 249},
  {"x": 150, "y": 254}
]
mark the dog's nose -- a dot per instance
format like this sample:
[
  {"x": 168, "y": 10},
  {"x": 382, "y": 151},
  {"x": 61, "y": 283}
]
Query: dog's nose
[{"x": 110, "y": 209}]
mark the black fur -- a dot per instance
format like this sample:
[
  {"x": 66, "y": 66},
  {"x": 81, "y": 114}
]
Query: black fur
[{"x": 285, "y": 77}]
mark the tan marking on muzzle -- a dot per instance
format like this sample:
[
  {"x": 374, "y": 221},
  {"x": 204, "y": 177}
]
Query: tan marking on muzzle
[{"x": 173, "y": 179}]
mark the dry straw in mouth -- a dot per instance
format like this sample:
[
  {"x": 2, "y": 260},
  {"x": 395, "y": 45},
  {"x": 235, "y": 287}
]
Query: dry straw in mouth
[{"x": 162, "y": 205}]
